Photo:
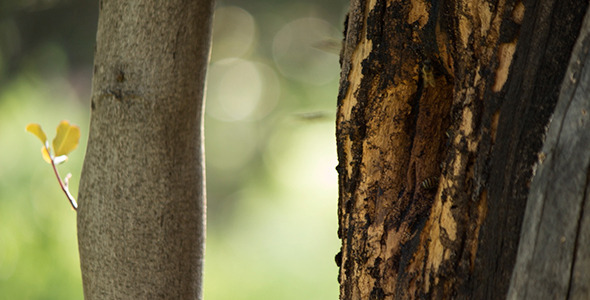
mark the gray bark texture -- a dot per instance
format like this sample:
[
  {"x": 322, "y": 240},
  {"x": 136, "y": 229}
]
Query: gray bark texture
[
  {"x": 141, "y": 215},
  {"x": 553, "y": 259}
]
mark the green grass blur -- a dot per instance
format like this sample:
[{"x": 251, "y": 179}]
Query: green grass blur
[{"x": 270, "y": 148}]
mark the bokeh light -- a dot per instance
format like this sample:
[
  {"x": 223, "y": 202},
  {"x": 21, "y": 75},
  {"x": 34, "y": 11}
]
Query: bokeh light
[
  {"x": 241, "y": 90},
  {"x": 234, "y": 32},
  {"x": 298, "y": 55}
]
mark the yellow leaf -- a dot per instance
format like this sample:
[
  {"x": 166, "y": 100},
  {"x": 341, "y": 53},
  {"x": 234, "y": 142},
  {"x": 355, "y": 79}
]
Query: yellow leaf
[
  {"x": 66, "y": 139},
  {"x": 45, "y": 154},
  {"x": 37, "y": 131}
]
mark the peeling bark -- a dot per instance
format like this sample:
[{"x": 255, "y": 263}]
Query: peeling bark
[{"x": 441, "y": 112}]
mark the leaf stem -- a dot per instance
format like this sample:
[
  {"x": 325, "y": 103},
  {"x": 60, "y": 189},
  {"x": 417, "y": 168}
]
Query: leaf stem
[{"x": 64, "y": 187}]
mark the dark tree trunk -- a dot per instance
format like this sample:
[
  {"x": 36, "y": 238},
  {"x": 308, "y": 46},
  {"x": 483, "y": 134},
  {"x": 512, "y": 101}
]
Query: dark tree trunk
[
  {"x": 141, "y": 225},
  {"x": 442, "y": 111},
  {"x": 554, "y": 252}
]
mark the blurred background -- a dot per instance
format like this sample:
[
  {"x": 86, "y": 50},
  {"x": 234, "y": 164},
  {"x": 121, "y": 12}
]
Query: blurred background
[{"x": 270, "y": 147}]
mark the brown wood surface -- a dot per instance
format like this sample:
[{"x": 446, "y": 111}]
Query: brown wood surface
[{"x": 475, "y": 130}]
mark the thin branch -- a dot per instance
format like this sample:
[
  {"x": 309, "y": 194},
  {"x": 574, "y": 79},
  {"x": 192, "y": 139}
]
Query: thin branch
[{"x": 64, "y": 187}]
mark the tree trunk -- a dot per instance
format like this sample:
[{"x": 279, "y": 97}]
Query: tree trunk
[
  {"x": 554, "y": 254},
  {"x": 141, "y": 216},
  {"x": 442, "y": 111}
]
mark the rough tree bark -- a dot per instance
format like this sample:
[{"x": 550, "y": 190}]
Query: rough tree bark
[
  {"x": 442, "y": 110},
  {"x": 141, "y": 216},
  {"x": 554, "y": 252}
]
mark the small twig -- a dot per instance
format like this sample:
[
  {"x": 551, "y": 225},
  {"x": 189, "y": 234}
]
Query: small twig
[
  {"x": 67, "y": 180},
  {"x": 64, "y": 186}
]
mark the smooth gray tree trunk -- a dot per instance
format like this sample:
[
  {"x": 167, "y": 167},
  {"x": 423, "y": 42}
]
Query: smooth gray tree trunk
[{"x": 141, "y": 215}]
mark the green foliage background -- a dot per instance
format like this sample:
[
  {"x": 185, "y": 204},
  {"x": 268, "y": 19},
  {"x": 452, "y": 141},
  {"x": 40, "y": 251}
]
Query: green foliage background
[{"x": 272, "y": 188}]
